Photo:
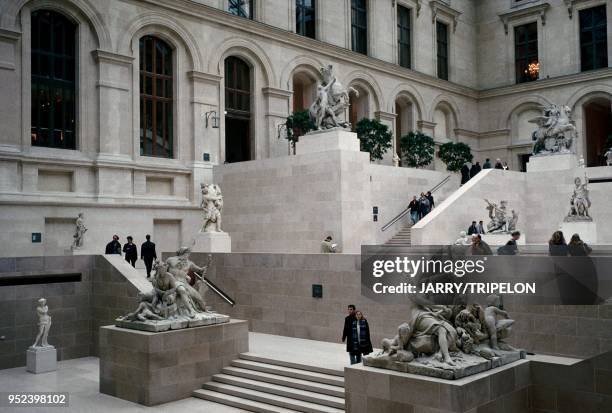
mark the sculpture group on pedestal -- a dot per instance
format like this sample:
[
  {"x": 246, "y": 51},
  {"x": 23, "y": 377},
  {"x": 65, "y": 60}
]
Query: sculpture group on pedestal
[
  {"x": 449, "y": 341},
  {"x": 173, "y": 303},
  {"x": 79, "y": 232},
  {"x": 579, "y": 202},
  {"x": 555, "y": 133},
  {"x": 212, "y": 205},
  {"x": 331, "y": 102},
  {"x": 501, "y": 221}
]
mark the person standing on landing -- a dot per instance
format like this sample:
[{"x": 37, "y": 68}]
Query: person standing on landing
[
  {"x": 131, "y": 251},
  {"x": 348, "y": 324}
]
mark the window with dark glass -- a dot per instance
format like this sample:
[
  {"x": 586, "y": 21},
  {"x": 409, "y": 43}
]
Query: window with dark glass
[
  {"x": 403, "y": 36},
  {"x": 359, "y": 26},
  {"x": 442, "y": 46},
  {"x": 305, "y": 18},
  {"x": 237, "y": 87},
  {"x": 593, "y": 38},
  {"x": 53, "y": 80},
  {"x": 242, "y": 8},
  {"x": 526, "y": 62},
  {"x": 156, "y": 98}
]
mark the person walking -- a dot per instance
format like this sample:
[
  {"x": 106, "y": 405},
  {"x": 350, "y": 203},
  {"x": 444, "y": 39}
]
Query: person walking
[
  {"x": 465, "y": 173},
  {"x": 414, "y": 210},
  {"x": 487, "y": 164},
  {"x": 348, "y": 325},
  {"x": 130, "y": 250},
  {"x": 475, "y": 169},
  {"x": 480, "y": 228},
  {"x": 423, "y": 205},
  {"x": 148, "y": 254},
  {"x": 113, "y": 247},
  {"x": 430, "y": 198},
  {"x": 498, "y": 164},
  {"x": 360, "y": 343}
]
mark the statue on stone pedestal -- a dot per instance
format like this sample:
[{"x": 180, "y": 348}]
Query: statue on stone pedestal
[
  {"x": 396, "y": 160},
  {"x": 331, "y": 101},
  {"x": 512, "y": 222},
  {"x": 463, "y": 239},
  {"x": 579, "y": 202},
  {"x": 555, "y": 133},
  {"x": 500, "y": 221},
  {"x": 212, "y": 205},
  {"x": 44, "y": 324},
  {"x": 79, "y": 232}
]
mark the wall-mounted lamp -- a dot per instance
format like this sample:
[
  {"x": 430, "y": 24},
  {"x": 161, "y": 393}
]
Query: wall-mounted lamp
[{"x": 214, "y": 118}]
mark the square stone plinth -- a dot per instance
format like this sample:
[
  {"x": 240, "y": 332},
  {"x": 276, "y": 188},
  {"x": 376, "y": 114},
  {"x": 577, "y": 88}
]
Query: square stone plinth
[
  {"x": 41, "y": 359},
  {"x": 327, "y": 140},
  {"x": 212, "y": 242},
  {"x": 504, "y": 389},
  {"x": 498, "y": 239},
  {"x": 558, "y": 162},
  {"x": 586, "y": 229},
  {"x": 152, "y": 368}
]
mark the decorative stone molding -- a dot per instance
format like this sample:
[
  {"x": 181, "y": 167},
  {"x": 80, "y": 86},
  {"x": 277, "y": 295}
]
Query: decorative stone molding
[
  {"x": 570, "y": 6},
  {"x": 511, "y": 15},
  {"x": 276, "y": 92},
  {"x": 380, "y": 115},
  {"x": 204, "y": 77},
  {"x": 442, "y": 8},
  {"x": 425, "y": 124},
  {"x": 417, "y": 6},
  {"x": 104, "y": 56}
]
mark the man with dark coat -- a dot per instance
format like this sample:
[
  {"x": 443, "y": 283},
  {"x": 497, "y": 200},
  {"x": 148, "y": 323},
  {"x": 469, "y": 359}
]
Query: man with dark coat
[
  {"x": 348, "y": 326},
  {"x": 113, "y": 247},
  {"x": 475, "y": 169},
  {"x": 131, "y": 252},
  {"x": 430, "y": 198},
  {"x": 148, "y": 254},
  {"x": 511, "y": 247},
  {"x": 487, "y": 164},
  {"x": 465, "y": 174},
  {"x": 473, "y": 229},
  {"x": 498, "y": 164}
]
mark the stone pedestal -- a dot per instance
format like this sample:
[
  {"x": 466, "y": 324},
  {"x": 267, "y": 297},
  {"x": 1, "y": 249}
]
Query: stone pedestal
[
  {"x": 559, "y": 162},
  {"x": 152, "y": 368},
  {"x": 327, "y": 140},
  {"x": 41, "y": 359},
  {"x": 502, "y": 239},
  {"x": 212, "y": 242},
  {"x": 586, "y": 229}
]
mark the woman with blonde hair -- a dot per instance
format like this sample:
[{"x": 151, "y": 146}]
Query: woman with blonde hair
[{"x": 359, "y": 343}]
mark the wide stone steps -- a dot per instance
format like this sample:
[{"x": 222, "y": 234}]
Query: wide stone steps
[
  {"x": 262, "y": 384},
  {"x": 402, "y": 238}
]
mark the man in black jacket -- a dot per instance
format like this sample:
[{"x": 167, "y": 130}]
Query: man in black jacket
[
  {"x": 348, "y": 324},
  {"x": 511, "y": 248},
  {"x": 113, "y": 247},
  {"x": 475, "y": 169},
  {"x": 148, "y": 254},
  {"x": 131, "y": 251},
  {"x": 473, "y": 229},
  {"x": 465, "y": 173}
]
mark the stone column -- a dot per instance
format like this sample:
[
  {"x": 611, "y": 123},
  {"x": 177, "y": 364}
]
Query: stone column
[
  {"x": 388, "y": 119},
  {"x": 114, "y": 71},
  {"x": 278, "y": 104}
]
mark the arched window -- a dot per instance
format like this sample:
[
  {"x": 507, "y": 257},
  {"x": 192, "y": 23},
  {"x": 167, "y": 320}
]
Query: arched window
[
  {"x": 53, "y": 80},
  {"x": 238, "y": 110},
  {"x": 156, "y": 98}
]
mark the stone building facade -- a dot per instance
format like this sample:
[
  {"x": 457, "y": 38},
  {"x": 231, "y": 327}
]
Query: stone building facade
[{"x": 154, "y": 93}]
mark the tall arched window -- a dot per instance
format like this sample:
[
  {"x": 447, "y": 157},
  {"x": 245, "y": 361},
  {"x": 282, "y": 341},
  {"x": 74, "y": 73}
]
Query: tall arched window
[
  {"x": 238, "y": 110},
  {"x": 53, "y": 80},
  {"x": 156, "y": 103}
]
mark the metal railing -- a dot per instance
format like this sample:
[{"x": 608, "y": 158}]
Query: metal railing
[{"x": 407, "y": 210}]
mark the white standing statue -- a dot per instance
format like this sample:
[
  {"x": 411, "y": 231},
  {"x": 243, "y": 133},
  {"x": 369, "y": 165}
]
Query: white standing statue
[
  {"x": 579, "y": 202},
  {"x": 331, "y": 102},
  {"x": 79, "y": 232},
  {"x": 212, "y": 205},
  {"x": 608, "y": 156},
  {"x": 44, "y": 324}
]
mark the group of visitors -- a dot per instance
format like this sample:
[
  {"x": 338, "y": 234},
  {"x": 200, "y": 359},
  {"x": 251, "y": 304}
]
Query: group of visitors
[
  {"x": 469, "y": 170},
  {"x": 356, "y": 333},
  {"x": 147, "y": 251},
  {"x": 476, "y": 228},
  {"x": 421, "y": 206},
  {"x": 576, "y": 247}
]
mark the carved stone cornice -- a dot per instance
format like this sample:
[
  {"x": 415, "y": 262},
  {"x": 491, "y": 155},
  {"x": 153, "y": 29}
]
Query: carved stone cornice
[
  {"x": 441, "y": 8},
  {"x": 11, "y": 35},
  {"x": 570, "y": 6},
  {"x": 417, "y": 6},
  {"x": 112, "y": 57},
  {"x": 204, "y": 77},
  {"x": 538, "y": 10},
  {"x": 381, "y": 115},
  {"x": 276, "y": 92}
]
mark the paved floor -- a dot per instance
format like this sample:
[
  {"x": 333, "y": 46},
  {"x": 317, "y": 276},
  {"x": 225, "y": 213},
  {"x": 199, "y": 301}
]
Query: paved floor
[{"x": 80, "y": 378}]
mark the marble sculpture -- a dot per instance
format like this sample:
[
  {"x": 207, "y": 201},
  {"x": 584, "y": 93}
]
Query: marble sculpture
[
  {"x": 555, "y": 133},
  {"x": 501, "y": 220},
  {"x": 79, "y": 232},
  {"x": 331, "y": 101},
  {"x": 579, "y": 202},
  {"x": 449, "y": 341},
  {"x": 44, "y": 324},
  {"x": 212, "y": 205}
]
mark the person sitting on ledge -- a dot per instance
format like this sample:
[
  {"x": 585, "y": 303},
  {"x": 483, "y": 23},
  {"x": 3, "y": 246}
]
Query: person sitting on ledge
[{"x": 327, "y": 247}]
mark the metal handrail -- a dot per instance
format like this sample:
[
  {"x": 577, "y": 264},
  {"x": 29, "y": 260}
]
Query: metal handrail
[{"x": 407, "y": 210}]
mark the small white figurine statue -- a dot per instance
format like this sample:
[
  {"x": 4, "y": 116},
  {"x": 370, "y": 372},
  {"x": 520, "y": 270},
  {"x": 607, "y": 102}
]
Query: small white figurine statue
[
  {"x": 212, "y": 205},
  {"x": 79, "y": 232},
  {"x": 608, "y": 156},
  {"x": 396, "y": 160},
  {"x": 44, "y": 324}
]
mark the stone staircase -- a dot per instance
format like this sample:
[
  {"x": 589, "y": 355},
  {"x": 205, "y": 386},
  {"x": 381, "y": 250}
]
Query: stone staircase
[
  {"x": 262, "y": 384},
  {"x": 402, "y": 238}
]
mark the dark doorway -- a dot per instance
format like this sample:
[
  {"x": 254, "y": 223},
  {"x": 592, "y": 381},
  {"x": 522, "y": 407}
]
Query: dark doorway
[
  {"x": 238, "y": 110},
  {"x": 597, "y": 127},
  {"x": 523, "y": 159}
]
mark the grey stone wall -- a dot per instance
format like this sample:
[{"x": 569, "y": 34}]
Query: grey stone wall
[
  {"x": 274, "y": 293},
  {"x": 77, "y": 309}
]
